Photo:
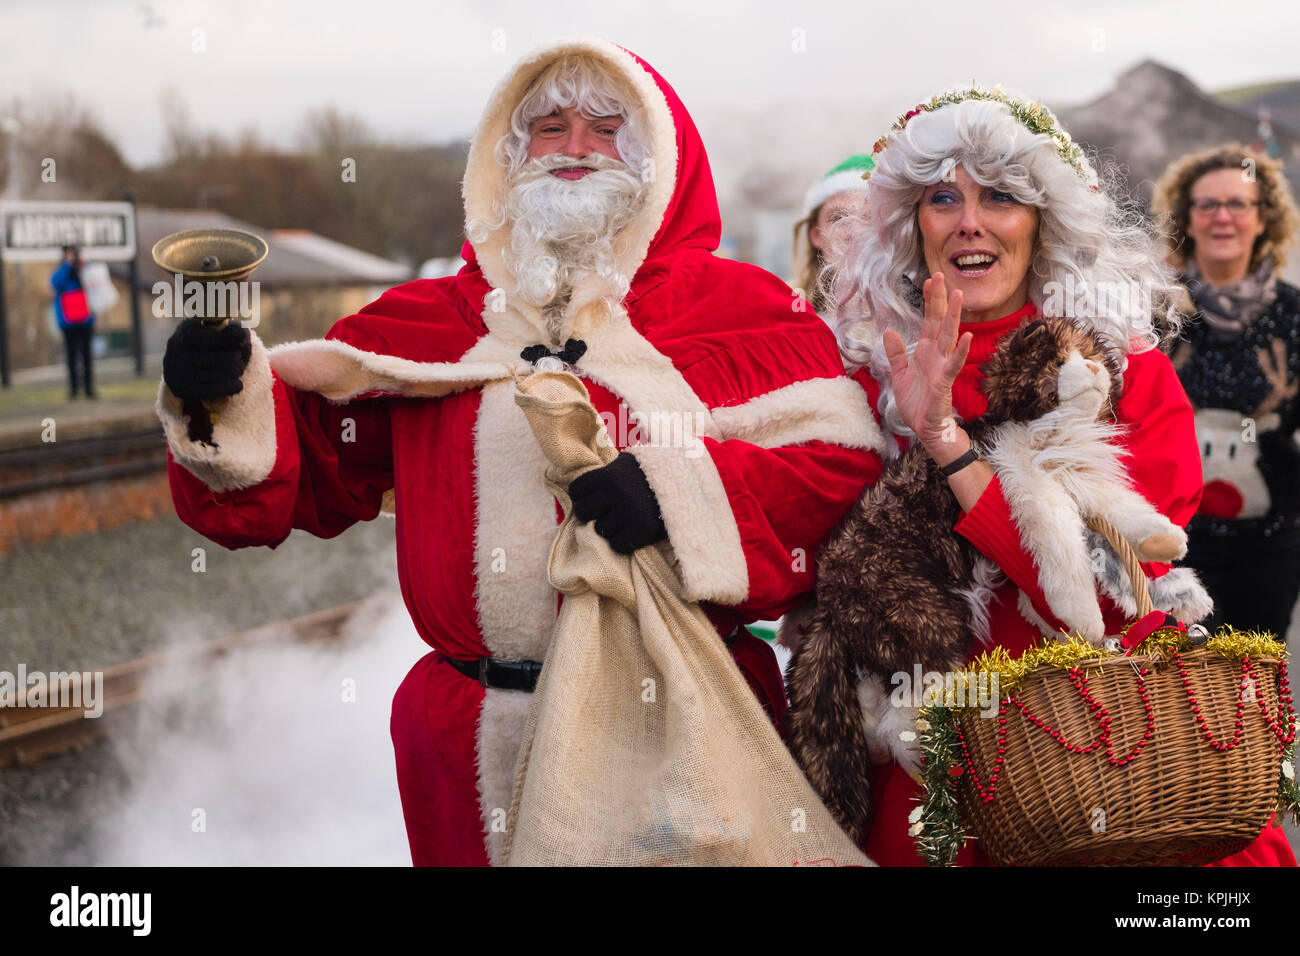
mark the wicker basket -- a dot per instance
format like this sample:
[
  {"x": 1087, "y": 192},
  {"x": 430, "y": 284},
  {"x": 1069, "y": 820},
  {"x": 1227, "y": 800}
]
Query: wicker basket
[{"x": 1154, "y": 791}]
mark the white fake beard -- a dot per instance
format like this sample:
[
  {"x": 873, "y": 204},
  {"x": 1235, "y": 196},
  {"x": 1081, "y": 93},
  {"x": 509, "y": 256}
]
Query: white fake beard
[{"x": 562, "y": 231}]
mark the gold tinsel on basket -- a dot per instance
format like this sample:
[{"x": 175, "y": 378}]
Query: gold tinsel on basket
[{"x": 1075, "y": 652}]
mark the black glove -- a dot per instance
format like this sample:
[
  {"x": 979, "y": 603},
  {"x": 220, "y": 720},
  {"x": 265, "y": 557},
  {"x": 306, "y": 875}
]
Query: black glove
[
  {"x": 202, "y": 362},
  {"x": 620, "y": 500}
]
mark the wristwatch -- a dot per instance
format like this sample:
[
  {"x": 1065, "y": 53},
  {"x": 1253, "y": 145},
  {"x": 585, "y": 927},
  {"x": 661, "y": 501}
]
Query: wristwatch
[{"x": 973, "y": 453}]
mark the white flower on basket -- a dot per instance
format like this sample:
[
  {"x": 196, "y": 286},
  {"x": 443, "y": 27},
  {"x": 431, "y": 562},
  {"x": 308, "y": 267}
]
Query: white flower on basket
[
  {"x": 916, "y": 829},
  {"x": 915, "y": 815},
  {"x": 1288, "y": 770},
  {"x": 922, "y": 724}
]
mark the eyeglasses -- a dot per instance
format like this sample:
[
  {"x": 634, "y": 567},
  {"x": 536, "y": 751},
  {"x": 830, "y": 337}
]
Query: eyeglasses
[{"x": 1236, "y": 207}]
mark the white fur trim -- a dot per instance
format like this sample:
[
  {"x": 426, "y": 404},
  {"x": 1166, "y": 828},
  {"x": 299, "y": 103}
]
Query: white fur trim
[
  {"x": 515, "y": 527},
  {"x": 832, "y": 410},
  {"x": 700, "y": 523},
  {"x": 500, "y": 731},
  {"x": 244, "y": 440},
  {"x": 618, "y": 357},
  {"x": 621, "y": 359},
  {"x": 341, "y": 372}
]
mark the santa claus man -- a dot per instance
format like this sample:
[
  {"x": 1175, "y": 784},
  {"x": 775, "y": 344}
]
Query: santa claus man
[{"x": 592, "y": 220}]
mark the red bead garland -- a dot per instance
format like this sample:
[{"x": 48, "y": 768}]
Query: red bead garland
[
  {"x": 1274, "y": 721},
  {"x": 1102, "y": 715},
  {"x": 997, "y": 764}
]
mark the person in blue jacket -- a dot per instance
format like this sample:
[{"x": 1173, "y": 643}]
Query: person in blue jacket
[{"x": 75, "y": 320}]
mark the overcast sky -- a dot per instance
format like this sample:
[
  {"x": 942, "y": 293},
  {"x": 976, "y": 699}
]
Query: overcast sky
[{"x": 421, "y": 70}]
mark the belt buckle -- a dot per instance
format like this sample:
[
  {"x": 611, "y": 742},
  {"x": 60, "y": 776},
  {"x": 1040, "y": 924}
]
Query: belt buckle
[{"x": 482, "y": 670}]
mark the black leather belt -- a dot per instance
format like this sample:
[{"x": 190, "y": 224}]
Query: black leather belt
[
  {"x": 505, "y": 675},
  {"x": 519, "y": 675}
]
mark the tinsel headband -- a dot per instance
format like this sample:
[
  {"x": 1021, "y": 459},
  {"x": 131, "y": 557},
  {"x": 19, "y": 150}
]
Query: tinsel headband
[{"x": 1035, "y": 117}]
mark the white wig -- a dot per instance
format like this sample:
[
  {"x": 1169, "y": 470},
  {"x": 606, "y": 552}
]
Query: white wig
[
  {"x": 1095, "y": 259},
  {"x": 582, "y": 82}
]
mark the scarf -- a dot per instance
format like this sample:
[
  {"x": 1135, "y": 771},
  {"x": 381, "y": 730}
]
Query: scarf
[{"x": 1229, "y": 310}]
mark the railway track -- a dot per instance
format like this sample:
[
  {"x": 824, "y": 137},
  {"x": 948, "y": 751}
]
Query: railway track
[
  {"x": 28, "y": 734},
  {"x": 125, "y": 452}
]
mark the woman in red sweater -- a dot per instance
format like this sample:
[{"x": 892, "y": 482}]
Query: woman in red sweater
[{"x": 982, "y": 215}]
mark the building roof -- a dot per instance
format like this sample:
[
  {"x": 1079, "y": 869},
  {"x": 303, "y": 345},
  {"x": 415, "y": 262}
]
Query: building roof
[{"x": 296, "y": 257}]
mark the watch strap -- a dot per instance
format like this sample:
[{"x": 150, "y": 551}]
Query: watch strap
[{"x": 956, "y": 465}]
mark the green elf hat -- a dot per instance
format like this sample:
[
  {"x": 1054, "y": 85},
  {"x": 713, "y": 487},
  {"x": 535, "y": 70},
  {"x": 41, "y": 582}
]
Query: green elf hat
[{"x": 847, "y": 177}]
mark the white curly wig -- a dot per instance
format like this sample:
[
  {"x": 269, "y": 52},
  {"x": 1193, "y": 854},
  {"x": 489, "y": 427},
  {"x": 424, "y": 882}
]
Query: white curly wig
[{"x": 1091, "y": 250}]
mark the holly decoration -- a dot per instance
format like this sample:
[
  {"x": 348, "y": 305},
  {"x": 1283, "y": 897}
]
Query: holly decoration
[
  {"x": 1035, "y": 117},
  {"x": 938, "y": 830}
]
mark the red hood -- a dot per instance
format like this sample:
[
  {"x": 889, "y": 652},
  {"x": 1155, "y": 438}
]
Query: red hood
[{"x": 692, "y": 219}]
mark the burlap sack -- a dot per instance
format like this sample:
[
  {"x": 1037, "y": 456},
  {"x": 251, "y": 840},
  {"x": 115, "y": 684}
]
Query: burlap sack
[{"x": 644, "y": 744}]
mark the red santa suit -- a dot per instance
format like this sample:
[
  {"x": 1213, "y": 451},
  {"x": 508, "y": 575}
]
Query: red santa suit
[
  {"x": 415, "y": 395},
  {"x": 1164, "y": 464}
]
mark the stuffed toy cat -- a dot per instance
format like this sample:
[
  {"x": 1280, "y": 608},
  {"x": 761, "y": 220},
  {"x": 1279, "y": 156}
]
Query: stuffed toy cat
[{"x": 898, "y": 589}]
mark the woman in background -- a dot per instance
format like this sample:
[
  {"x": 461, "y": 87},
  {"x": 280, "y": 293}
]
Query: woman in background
[
  {"x": 840, "y": 192},
  {"x": 1229, "y": 215}
]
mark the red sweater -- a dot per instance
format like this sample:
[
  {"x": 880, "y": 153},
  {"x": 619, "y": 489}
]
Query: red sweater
[{"x": 1165, "y": 466}]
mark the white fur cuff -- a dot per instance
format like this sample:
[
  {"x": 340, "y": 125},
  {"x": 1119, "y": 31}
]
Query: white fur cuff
[
  {"x": 243, "y": 450},
  {"x": 700, "y": 523},
  {"x": 833, "y": 410}
]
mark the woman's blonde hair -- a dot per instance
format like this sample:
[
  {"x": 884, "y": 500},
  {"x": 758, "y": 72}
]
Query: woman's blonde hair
[
  {"x": 1172, "y": 200},
  {"x": 808, "y": 263}
]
